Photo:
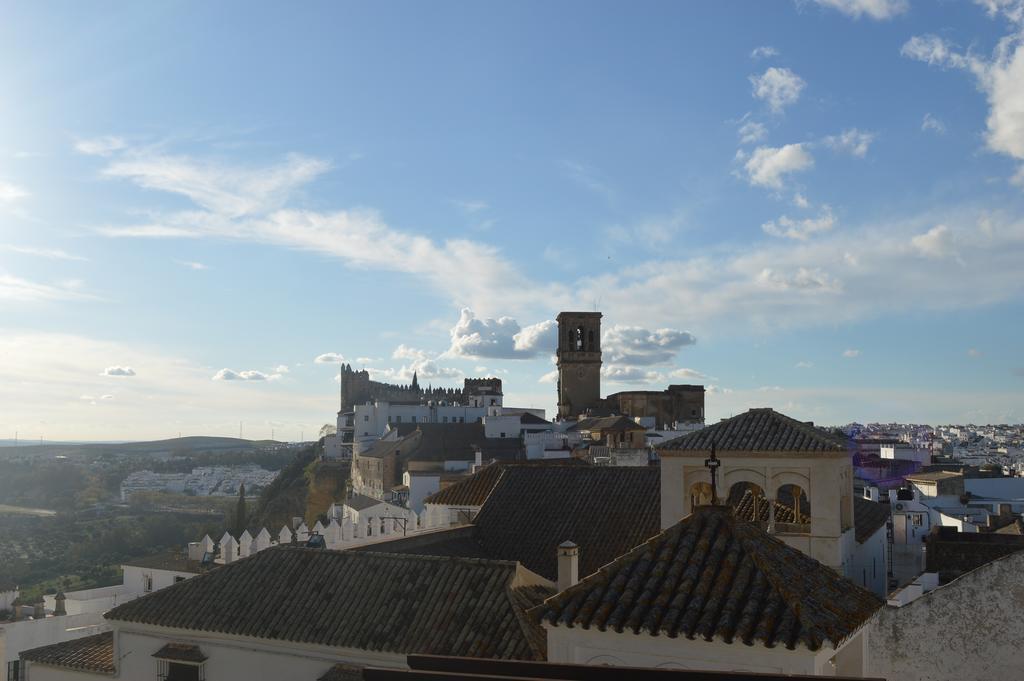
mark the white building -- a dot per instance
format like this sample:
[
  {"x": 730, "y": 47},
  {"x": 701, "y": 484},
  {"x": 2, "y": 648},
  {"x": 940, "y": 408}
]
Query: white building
[
  {"x": 710, "y": 593},
  {"x": 296, "y": 613}
]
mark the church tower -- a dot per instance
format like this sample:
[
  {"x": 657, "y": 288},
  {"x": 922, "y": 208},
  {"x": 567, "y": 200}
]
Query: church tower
[{"x": 579, "y": 362}]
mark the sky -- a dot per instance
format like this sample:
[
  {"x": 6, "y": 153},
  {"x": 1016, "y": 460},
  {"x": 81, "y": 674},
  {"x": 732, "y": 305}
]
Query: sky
[{"x": 813, "y": 205}]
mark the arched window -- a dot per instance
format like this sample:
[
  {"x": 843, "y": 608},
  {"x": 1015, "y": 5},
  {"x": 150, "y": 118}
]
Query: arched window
[
  {"x": 792, "y": 510},
  {"x": 748, "y": 502},
  {"x": 590, "y": 340},
  {"x": 579, "y": 338},
  {"x": 700, "y": 494}
]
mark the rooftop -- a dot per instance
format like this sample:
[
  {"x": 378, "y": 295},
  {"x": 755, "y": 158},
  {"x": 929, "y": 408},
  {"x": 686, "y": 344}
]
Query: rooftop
[
  {"x": 607, "y": 424},
  {"x": 474, "y": 489},
  {"x": 350, "y": 599},
  {"x": 173, "y": 560},
  {"x": 757, "y": 430},
  {"x": 361, "y": 502},
  {"x": 934, "y": 476},
  {"x": 868, "y": 517},
  {"x": 91, "y": 654},
  {"x": 718, "y": 578}
]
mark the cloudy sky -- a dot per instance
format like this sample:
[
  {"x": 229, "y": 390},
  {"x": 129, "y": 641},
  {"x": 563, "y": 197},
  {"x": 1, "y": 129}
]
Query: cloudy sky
[{"x": 813, "y": 205}]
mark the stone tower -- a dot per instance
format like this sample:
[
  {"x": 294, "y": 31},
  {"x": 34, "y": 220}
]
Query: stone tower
[{"x": 579, "y": 362}]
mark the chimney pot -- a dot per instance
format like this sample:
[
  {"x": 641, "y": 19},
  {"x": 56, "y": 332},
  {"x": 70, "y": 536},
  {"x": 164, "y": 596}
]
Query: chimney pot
[
  {"x": 59, "y": 608},
  {"x": 568, "y": 565}
]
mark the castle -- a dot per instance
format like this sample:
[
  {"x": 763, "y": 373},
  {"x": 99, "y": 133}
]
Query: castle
[{"x": 357, "y": 388}]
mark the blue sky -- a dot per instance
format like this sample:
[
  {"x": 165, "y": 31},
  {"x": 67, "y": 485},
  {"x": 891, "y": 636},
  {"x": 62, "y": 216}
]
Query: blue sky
[{"x": 812, "y": 205}]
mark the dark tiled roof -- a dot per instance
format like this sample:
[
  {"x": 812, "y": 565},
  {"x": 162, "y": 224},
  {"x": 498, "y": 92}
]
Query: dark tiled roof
[
  {"x": 474, "y": 489},
  {"x": 533, "y": 509},
  {"x": 868, "y": 517},
  {"x": 369, "y": 601},
  {"x": 529, "y": 418},
  {"x": 471, "y": 490},
  {"x": 1014, "y": 528},
  {"x": 607, "y": 424},
  {"x": 716, "y": 577},
  {"x": 456, "y": 541},
  {"x": 757, "y": 430},
  {"x": 361, "y": 502},
  {"x": 91, "y": 653},
  {"x": 181, "y": 652},
  {"x": 445, "y": 441},
  {"x": 745, "y": 509}
]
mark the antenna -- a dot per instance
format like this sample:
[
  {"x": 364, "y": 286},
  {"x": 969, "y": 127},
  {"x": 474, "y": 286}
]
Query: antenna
[{"x": 239, "y": 430}]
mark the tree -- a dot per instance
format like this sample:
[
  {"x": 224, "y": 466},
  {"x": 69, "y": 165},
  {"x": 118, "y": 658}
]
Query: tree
[
  {"x": 240, "y": 513},
  {"x": 327, "y": 429}
]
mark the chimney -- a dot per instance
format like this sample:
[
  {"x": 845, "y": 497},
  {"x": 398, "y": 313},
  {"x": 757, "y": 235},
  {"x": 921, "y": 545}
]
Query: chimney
[
  {"x": 195, "y": 550},
  {"x": 59, "y": 608},
  {"x": 479, "y": 461},
  {"x": 568, "y": 565},
  {"x": 38, "y": 611}
]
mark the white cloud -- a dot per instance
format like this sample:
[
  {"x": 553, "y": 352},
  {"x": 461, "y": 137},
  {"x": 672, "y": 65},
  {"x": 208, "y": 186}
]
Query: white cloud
[
  {"x": 329, "y": 358},
  {"x": 688, "y": 374},
  {"x": 767, "y": 166},
  {"x": 470, "y": 206},
  {"x": 249, "y": 375},
  {"x": 52, "y": 253},
  {"x": 549, "y": 377},
  {"x": 752, "y": 131},
  {"x": 804, "y": 365},
  {"x": 617, "y": 373},
  {"x": 420, "y": 362},
  {"x": 246, "y": 204},
  {"x": 635, "y": 345},
  {"x": 800, "y": 201},
  {"x": 192, "y": 265},
  {"x": 808, "y": 279},
  {"x": 852, "y": 141},
  {"x": 281, "y": 369},
  {"x": 932, "y": 124},
  {"x": 874, "y": 9},
  {"x": 9, "y": 193},
  {"x": 763, "y": 52},
  {"x": 935, "y": 51},
  {"x": 118, "y": 371},
  {"x": 779, "y": 87},
  {"x": 937, "y": 242},
  {"x": 1011, "y": 9},
  {"x": 974, "y": 352},
  {"x": 801, "y": 229},
  {"x": 100, "y": 146},
  {"x": 850, "y": 354},
  {"x": 225, "y": 190},
  {"x": 500, "y": 338}
]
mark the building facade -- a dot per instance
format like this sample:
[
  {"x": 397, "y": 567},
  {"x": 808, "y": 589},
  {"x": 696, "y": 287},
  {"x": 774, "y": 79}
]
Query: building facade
[{"x": 579, "y": 362}]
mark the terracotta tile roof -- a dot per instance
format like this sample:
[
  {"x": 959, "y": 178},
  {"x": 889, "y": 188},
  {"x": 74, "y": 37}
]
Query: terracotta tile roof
[
  {"x": 716, "y": 577},
  {"x": 474, "y": 489},
  {"x": 91, "y": 653},
  {"x": 757, "y": 430},
  {"x": 533, "y": 509},
  {"x": 181, "y": 652},
  {"x": 370, "y": 601},
  {"x": 868, "y": 517},
  {"x": 744, "y": 509}
]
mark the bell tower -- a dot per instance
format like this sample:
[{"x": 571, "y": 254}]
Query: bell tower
[{"x": 579, "y": 362}]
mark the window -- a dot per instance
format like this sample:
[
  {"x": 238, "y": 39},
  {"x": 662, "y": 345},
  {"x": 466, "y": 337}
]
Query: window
[
  {"x": 180, "y": 671},
  {"x": 444, "y": 419},
  {"x": 414, "y": 419},
  {"x": 147, "y": 583},
  {"x": 503, "y": 435},
  {"x": 14, "y": 671},
  {"x": 493, "y": 401},
  {"x": 917, "y": 519},
  {"x": 366, "y": 418},
  {"x": 398, "y": 419}
]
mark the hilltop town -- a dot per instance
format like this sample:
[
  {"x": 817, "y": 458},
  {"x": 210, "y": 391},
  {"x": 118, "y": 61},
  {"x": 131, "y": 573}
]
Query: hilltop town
[{"x": 623, "y": 530}]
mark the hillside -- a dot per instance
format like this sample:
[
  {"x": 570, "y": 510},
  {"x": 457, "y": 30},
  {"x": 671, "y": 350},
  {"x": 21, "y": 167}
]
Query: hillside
[
  {"x": 179, "y": 446},
  {"x": 304, "y": 488}
]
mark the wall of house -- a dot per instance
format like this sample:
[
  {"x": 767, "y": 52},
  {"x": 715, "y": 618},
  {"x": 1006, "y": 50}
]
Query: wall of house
[
  {"x": 591, "y": 646},
  {"x": 7, "y": 599},
  {"x": 964, "y": 630},
  {"x": 235, "y": 658},
  {"x": 869, "y": 563},
  {"x": 135, "y": 578},
  {"x": 22, "y": 635}
]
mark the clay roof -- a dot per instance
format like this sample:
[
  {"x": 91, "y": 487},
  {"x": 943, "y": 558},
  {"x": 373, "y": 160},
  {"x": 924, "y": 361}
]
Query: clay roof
[
  {"x": 445, "y": 441},
  {"x": 91, "y": 653},
  {"x": 370, "y": 601},
  {"x": 533, "y": 509},
  {"x": 607, "y": 424},
  {"x": 180, "y": 652},
  {"x": 868, "y": 517},
  {"x": 361, "y": 502},
  {"x": 718, "y": 578},
  {"x": 474, "y": 489},
  {"x": 757, "y": 430}
]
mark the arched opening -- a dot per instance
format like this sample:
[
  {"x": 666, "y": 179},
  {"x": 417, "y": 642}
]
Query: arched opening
[
  {"x": 700, "y": 494},
  {"x": 579, "y": 338},
  {"x": 749, "y": 502},
  {"x": 792, "y": 510}
]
